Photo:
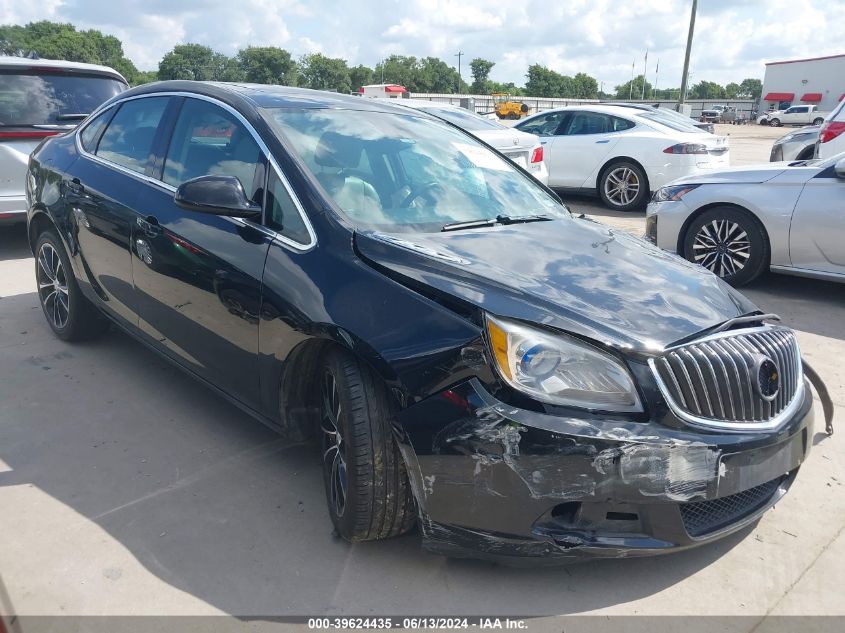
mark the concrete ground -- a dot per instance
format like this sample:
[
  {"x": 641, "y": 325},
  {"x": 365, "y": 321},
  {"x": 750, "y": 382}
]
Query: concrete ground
[{"x": 127, "y": 488}]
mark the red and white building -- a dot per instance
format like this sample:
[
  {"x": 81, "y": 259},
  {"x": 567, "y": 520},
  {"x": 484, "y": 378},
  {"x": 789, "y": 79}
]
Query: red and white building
[
  {"x": 391, "y": 91},
  {"x": 816, "y": 81}
]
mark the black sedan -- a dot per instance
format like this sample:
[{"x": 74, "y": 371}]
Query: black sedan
[{"x": 470, "y": 357}]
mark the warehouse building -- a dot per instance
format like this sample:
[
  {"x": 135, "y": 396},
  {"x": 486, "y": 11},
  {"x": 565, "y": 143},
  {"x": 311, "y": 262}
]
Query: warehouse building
[{"x": 817, "y": 81}]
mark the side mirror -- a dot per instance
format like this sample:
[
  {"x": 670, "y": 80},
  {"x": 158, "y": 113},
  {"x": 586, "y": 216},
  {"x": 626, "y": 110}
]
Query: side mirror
[
  {"x": 218, "y": 195},
  {"x": 839, "y": 168}
]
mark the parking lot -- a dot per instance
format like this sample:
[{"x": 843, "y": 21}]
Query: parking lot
[{"x": 128, "y": 488}]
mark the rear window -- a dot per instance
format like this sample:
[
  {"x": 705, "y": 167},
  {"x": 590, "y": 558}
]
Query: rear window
[
  {"x": 465, "y": 120},
  {"x": 39, "y": 99},
  {"x": 670, "y": 122}
]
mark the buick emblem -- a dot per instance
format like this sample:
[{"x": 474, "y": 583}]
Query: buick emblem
[
  {"x": 516, "y": 141},
  {"x": 768, "y": 379}
]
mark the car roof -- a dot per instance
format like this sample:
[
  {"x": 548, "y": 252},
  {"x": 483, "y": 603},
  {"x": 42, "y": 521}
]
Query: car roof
[
  {"x": 16, "y": 63},
  {"x": 617, "y": 110},
  {"x": 425, "y": 103},
  {"x": 270, "y": 96}
]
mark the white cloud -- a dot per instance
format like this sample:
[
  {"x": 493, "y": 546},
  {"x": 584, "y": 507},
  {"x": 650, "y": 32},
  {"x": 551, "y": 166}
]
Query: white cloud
[{"x": 599, "y": 37}]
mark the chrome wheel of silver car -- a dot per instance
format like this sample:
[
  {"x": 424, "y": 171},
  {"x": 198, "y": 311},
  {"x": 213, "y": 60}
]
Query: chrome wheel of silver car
[
  {"x": 722, "y": 246},
  {"x": 52, "y": 286},
  {"x": 621, "y": 186},
  {"x": 334, "y": 448}
]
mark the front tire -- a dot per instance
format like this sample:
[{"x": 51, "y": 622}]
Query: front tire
[
  {"x": 774, "y": 122},
  {"x": 69, "y": 314},
  {"x": 623, "y": 186},
  {"x": 730, "y": 243},
  {"x": 366, "y": 483}
]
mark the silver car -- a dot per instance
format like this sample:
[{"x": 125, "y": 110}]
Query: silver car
[
  {"x": 41, "y": 98},
  {"x": 739, "y": 222},
  {"x": 797, "y": 145}
]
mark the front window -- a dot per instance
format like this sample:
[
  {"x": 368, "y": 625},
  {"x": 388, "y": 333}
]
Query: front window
[
  {"x": 33, "y": 98},
  {"x": 398, "y": 172}
]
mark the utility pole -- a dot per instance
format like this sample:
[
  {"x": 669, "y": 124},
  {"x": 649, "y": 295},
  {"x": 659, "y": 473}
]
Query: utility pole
[
  {"x": 459, "y": 54},
  {"x": 645, "y": 72},
  {"x": 631, "y": 85},
  {"x": 656, "y": 70},
  {"x": 682, "y": 97}
]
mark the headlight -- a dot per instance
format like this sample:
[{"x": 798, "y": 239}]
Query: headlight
[
  {"x": 673, "y": 192},
  {"x": 559, "y": 369}
]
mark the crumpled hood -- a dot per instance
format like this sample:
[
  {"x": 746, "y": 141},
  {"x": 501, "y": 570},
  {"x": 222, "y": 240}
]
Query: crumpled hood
[{"x": 572, "y": 274}]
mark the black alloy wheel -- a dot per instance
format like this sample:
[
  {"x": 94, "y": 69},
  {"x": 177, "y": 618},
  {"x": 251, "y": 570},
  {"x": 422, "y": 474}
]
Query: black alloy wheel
[
  {"x": 69, "y": 314},
  {"x": 729, "y": 243},
  {"x": 366, "y": 484}
]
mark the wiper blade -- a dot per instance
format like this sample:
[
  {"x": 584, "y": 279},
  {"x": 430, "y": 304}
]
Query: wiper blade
[
  {"x": 499, "y": 219},
  {"x": 521, "y": 219},
  {"x": 471, "y": 224}
]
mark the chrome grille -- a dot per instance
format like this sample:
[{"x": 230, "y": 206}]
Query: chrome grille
[{"x": 715, "y": 381}]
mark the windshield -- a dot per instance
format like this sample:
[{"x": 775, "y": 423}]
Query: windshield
[
  {"x": 38, "y": 99},
  {"x": 397, "y": 172},
  {"x": 670, "y": 121},
  {"x": 464, "y": 119}
]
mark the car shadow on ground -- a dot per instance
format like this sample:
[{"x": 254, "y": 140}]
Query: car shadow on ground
[
  {"x": 808, "y": 305},
  {"x": 13, "y": 244},
  {"x": 218, "y": 506}
]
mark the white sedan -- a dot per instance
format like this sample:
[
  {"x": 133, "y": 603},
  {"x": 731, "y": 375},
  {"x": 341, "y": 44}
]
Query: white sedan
[
  {"x": 522, "y": 148},
  {"x": 622, "y": 153},
  {"x": 738, "y": 222}
]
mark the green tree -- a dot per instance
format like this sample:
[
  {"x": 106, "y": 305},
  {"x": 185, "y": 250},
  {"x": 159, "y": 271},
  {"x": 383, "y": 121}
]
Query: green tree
[
  {"x": 324, "y": 73},
  {"x": 145, "y": 77},
  {"x": 267, "y": 65},
  {"x": 480, "y": 69},
  {"x": 360, "y": 76},
  {"x": 399, "y": 69},
  {"x": 435, "y": 75},
  {"x": 732, "y": 90},
  {"x": 633, "y": 89},
  {"x": 54, "y": 40},
  {"x": 509, "y": 88},
  {"x": 707, "y": 90},
  {"x": 750, "y": 89},
  {"x": 199, "y": 63},
  {"x": 584, "y": 86}
]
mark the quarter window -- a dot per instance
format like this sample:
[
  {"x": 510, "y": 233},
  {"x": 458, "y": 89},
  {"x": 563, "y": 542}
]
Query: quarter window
[
  {"x": 282, "y": 214},
  {"x": 128, "y": 140},
  {"x": 91, "y": 134},
  {"x": 208, "y": 140}
]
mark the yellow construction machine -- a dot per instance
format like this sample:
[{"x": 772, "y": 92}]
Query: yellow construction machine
[{"x": 507, "y": 108}]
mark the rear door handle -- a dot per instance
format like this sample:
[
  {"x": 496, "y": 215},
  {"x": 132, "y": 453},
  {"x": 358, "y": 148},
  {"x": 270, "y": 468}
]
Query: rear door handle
[
  {"x": 605, "y": 140},
  {"x": 150, "y": 226}
]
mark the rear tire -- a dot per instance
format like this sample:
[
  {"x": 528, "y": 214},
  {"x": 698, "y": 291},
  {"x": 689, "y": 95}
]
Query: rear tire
[
  {"x": 730, "y": 243},
  {"x": 70, "y": 315},
  {"x": 623, "y": 186},
  {"x": 818, "y": 121},
  {"x": 366, "y": 483}
]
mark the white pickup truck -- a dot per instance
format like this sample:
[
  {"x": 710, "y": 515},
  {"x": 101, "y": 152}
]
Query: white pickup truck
[{"x": 795, "y": 115}]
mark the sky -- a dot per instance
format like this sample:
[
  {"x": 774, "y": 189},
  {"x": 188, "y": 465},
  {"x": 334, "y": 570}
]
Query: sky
[{"x": 733, "y": 38}]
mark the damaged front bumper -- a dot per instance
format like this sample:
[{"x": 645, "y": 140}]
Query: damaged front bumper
[{"x": 499, "y": 482}]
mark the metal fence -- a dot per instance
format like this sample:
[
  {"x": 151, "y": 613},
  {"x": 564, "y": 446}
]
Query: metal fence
[{"x": 485, "y": 103}]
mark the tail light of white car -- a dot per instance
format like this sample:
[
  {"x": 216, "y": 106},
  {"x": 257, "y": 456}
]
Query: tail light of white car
[
  {"x": 831, "y": 130},
  {"x": 687, "y": 148},
  {"x": 537, "y": 155}
]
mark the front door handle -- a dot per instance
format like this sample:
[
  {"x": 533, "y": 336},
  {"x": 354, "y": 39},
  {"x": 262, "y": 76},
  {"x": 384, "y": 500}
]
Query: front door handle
[
  {"x": 75, "y": 186},
  {"x": 150, "y": 226}
]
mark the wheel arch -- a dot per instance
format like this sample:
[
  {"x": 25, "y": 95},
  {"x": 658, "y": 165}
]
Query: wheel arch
[
  {"x": 679, "y": 248},
  {"x": 39, "y": 222},
  {"x": 296, "y": 404}
]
